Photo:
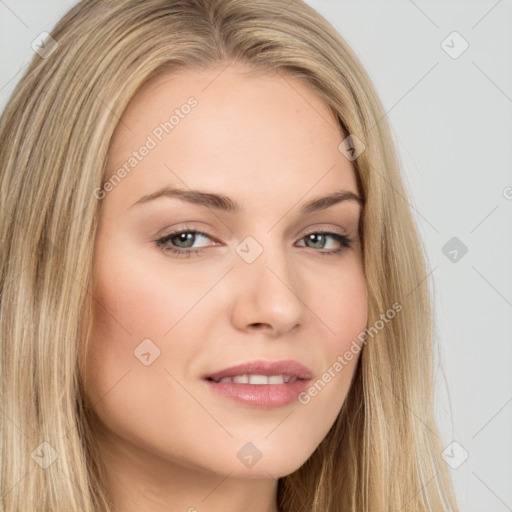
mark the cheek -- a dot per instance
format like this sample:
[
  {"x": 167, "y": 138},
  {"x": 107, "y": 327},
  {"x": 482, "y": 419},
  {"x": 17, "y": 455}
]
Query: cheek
[
  {"x": 143, "y": 300},
  {"x": 341, "y": 305},
  {"x": 135, "y": 302}
]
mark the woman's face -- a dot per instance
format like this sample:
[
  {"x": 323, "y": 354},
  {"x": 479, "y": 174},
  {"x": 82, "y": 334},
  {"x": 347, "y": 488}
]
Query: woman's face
[{"x": 272, "y": 281}]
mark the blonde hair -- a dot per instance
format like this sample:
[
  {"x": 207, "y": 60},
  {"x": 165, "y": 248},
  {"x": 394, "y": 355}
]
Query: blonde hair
[{"x": 383, "y": 452}]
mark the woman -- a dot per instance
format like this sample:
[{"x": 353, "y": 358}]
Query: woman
[{"x": 213, "y": 291}]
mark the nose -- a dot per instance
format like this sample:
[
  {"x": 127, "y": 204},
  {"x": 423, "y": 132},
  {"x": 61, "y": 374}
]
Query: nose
[{"x": 267, "y": 295}]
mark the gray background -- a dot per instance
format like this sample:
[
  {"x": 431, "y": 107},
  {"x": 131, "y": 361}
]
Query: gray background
[{"x": 451, "y": 119}]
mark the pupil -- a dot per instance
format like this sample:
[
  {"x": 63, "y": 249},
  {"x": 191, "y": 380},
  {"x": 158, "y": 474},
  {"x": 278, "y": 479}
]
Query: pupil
[
  {"x": 317, "y": 240},
  {"x": 185, "y": 239}
]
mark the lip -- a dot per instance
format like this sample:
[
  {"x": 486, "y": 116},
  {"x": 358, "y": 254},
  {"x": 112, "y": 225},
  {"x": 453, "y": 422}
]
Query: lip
[
  {"x": 260, "y": 367},
  {"x": 263, "y": 396}
]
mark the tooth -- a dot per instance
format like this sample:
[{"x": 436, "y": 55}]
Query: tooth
[{"x": 258, "y": 379}]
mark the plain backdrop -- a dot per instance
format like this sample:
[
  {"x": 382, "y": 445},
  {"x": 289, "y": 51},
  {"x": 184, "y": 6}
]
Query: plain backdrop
[{"x": 450, "y": 112}]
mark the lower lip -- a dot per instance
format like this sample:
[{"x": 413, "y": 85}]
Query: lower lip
[{"x": 264, "y": 396}]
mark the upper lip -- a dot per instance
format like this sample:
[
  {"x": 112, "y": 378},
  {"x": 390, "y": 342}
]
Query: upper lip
[{"x": 288, "y": 367}]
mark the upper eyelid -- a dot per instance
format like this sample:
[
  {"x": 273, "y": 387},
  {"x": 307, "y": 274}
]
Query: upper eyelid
[{"x": 313, "y": 227}]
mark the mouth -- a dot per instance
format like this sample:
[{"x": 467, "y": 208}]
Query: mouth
[
  {"x": 257, "y": 380},
  {"x": 261, "y": 384}
]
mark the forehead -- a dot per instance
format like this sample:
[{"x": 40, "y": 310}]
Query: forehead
[{"x": 244, "y": 130}]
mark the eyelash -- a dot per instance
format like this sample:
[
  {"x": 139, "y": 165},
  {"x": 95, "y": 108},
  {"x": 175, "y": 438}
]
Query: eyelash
[{"x": 345, "y": 241}]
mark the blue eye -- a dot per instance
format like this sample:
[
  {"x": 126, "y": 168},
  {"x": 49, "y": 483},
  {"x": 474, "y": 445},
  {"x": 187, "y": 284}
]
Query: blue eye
[{"x": 183, "y": 243}]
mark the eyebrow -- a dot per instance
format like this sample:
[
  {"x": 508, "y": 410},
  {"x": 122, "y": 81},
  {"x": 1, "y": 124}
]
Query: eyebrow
[{"x": 224, "y": 203}]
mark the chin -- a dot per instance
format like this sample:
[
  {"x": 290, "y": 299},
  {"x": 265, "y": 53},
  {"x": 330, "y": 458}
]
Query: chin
[{"x": 263, "y": 459}]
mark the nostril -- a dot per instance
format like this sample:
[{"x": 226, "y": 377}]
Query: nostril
[{"x": 260, "y": 325}]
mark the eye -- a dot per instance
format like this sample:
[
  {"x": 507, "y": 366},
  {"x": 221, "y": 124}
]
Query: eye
[
  {"x": 181, "y": 243},
  {"x": 327, "y": 240},
  {"x": 188, "y": 243}
]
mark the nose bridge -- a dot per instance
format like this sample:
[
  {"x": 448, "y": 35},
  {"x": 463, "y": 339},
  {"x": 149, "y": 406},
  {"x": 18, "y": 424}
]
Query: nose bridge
[{"x": 267, "y": 288}]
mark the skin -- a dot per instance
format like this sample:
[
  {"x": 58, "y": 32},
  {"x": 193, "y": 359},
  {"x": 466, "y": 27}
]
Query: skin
[{"x": 169, "y": 442}]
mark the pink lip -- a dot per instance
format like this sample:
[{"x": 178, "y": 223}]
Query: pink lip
[
  {"x": 264, "y": 396},
  {"x": 267, "y": 368}
]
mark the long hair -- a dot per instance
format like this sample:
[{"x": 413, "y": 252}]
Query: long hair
[{"x": 383, "y": 452}]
